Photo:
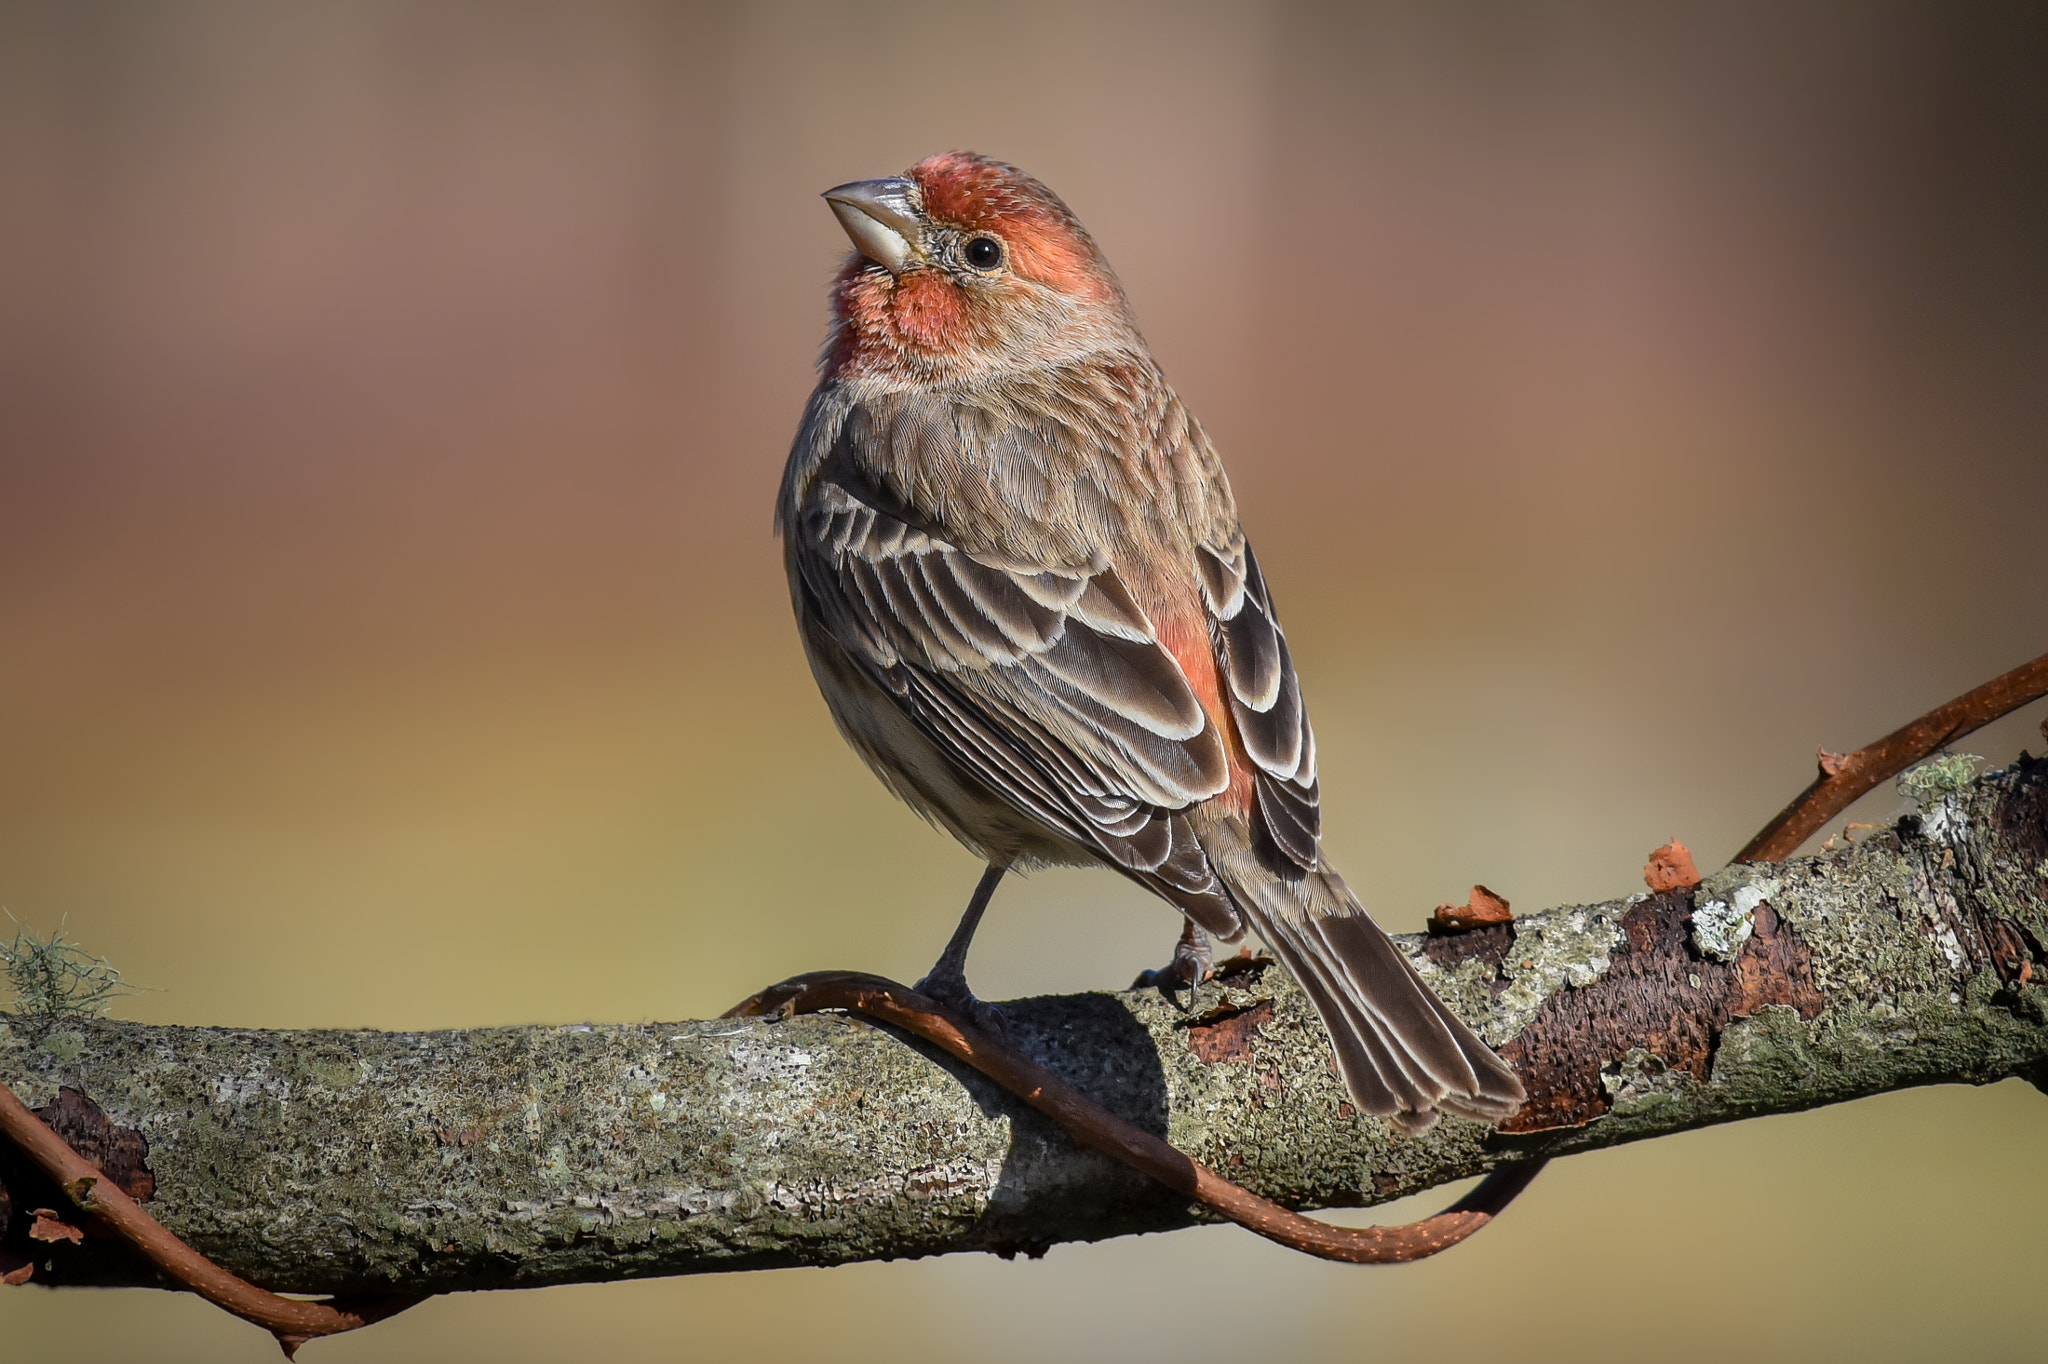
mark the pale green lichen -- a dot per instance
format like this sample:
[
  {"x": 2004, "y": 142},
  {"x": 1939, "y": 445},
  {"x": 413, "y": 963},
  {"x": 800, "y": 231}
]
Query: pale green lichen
[
  {"x": 65, "y": 1046},
  {"x": 1641, "y": 1083},
  {"x": 1938, "y": 788},
  {"x": 1721, "y": 927},
  {"x": 1565, "y": 947},
  {"x": 1932, "y": 780},
  {"x": 1466, "y": 986}
]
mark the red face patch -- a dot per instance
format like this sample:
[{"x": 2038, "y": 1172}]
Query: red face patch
[
  {"x": 970, "y": 191},
  {"x": 922, "y": 314},
  {"x": 928, "y": 316},
  {"x": 1046, "y": 243}
]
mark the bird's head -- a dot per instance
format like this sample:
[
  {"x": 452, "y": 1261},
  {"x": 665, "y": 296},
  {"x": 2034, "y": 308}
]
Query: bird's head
[{"x": 966, "y": 267}]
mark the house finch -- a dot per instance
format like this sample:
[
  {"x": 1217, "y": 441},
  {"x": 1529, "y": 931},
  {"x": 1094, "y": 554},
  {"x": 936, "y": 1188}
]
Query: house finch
[{"x": 1020, "y": 579}]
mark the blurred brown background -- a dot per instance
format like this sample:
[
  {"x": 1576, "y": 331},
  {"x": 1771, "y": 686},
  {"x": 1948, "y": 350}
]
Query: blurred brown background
[{"x": 1624, "y": 399}]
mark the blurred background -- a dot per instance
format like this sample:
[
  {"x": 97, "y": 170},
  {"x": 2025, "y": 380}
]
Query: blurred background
[{"x": 1624, "y": 400}]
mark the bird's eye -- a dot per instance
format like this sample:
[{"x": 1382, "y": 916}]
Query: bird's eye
[{"x": 983, "y": 253}]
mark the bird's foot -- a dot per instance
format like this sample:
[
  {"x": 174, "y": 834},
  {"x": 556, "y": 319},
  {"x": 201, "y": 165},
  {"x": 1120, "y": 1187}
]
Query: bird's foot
[
  {"x": 950, "y": 992},
  {"x": 1189, "y": 967}
]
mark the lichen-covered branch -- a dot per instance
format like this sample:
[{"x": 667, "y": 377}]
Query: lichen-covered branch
[{"x": 509, "y": 1157}]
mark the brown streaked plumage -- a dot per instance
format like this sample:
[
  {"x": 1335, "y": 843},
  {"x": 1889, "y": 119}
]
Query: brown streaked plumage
[{"x": 1020, "y": 579}]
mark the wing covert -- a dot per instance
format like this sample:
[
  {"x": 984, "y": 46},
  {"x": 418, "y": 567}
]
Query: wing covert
[{"x": 1265, "y": 699}]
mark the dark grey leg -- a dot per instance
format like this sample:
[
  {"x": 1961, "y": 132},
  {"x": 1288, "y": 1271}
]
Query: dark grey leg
[
  {"x": 1189, "y": 967},
  {"x": 946, "y": 982}
]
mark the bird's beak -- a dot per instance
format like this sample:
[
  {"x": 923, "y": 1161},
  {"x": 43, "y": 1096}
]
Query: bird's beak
[{"x": 883, "y": 218}]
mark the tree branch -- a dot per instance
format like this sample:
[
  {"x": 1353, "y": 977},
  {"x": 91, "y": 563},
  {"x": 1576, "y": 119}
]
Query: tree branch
[
  {"x": 363, "y": 1162},
  {"x": 1095, "y": 1127}
]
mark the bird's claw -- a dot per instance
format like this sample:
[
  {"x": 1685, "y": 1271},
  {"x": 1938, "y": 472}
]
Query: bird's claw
[
  {"x": 952, "y": 995},
  {"x": 1189, "y": 967},
  {"x": 1167, "y": 980}
]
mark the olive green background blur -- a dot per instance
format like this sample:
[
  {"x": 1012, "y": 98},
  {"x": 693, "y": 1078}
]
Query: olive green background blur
[{"x": 1624, "y": 400}]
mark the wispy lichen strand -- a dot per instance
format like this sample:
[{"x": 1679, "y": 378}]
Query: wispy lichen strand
[{"x": 52, "y": 979}]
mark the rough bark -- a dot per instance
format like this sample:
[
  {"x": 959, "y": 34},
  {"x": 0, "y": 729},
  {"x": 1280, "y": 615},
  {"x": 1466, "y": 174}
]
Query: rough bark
[{"x": 511, "y": 1157}]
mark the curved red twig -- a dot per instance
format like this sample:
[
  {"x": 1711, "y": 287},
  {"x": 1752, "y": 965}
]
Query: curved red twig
[
  {"x": 1844, "y": 779},
  {"x": 291, "y": 1320},
  {"x": 1095, "y": 1126}
]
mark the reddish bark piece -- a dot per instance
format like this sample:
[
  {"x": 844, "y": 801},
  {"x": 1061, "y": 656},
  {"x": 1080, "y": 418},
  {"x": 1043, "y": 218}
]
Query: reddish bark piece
[
  {"x": 1657, "y": 995},
  {"x": 1226, "y": 1034},
  {"x": 47, "y": 1227},
  {"x": 2009, "y": 955},
  {"x": 1487, "y": 945},
  {"x": 15, "y": 1270},
  {"x": 120, "y": 1152},
  {"x": 1482, "y": 909},
  {"x": 1245, "y": 963},
  {"x": 1671, "y": 868}
]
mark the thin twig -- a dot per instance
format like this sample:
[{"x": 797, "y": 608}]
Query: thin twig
[
  {"x": 1093, "y": 1125},
  {"x": 291, "y": 1320},
  {"x": 1843, "y": 779}
]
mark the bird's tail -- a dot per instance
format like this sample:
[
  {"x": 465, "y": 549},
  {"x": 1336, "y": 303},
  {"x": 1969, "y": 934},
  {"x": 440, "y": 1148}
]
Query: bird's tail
[{"x": 1404, "y": 1055}]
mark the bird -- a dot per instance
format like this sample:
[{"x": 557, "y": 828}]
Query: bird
[{"x": 1022, "y": 586}]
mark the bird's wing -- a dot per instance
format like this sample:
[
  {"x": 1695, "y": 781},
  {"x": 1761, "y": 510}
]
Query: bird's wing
[
  {"x": 1265, "y": 700},
  {"x": 1049, "y": 685}
]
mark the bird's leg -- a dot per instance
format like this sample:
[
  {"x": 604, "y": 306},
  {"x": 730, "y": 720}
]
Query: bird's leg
[
  {"x": 1190, "y": 965},
  {"x": 946, "y": 982}
]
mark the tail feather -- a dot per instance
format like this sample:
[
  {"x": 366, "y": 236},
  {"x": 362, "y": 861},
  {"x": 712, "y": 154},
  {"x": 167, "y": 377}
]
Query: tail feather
[
  {"x": 1371, "y": 1068},
  {"x": 1403, "y": 1054}
]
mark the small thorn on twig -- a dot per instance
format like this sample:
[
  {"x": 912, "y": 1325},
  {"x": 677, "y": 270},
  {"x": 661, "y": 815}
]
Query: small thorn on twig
[{"x": 1671, "y": 868}]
